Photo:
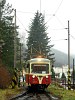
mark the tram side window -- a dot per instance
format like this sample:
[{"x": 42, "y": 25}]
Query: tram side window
[{"x": 28, "y": 67}]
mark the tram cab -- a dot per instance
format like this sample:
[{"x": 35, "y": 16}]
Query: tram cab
[{"x": 38, "y": 72}]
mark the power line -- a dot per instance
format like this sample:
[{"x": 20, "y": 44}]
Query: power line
[
  {"x": 25, "y": 12},
  {"x": 56, "y": 29},
  {"x": 59, "y": 6},
  {"x": 72, "y": 37},
  {"x": 32, "y": 13},
  {"x": 60, "y": 22},
  {"x": 49, "y": 19},
  {"x": 55, "y": 12},
  {"x": 63, "y": 27},
  {"x": 22, "y": 24},
  {"x": 40, "y": 11},
  {"x": 59, "y": 40},
  {"x": 49, "y": 14}
]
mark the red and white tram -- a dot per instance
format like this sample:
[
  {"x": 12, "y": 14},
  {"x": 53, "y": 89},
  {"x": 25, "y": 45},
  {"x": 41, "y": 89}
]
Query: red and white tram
[{"x": 38, "y": 73}]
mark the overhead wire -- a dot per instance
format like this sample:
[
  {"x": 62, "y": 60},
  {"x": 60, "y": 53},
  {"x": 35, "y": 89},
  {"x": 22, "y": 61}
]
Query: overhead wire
[
  {"x": 60, "y": 22},
  {"x": 22, "y": 24},
  {"x": 58, "y": 7},
  {"x": 25, "y": 12},
  {"x": 52, "y": 15},
  {"x": 65, "y": 28},
  {"x": 59, "y": 39},
  {"x": 72, "y": 37},
  {"x": 55, "y": 11},
  {"x": 24, "y": 39},
  {"x": 56, "y": 29}
]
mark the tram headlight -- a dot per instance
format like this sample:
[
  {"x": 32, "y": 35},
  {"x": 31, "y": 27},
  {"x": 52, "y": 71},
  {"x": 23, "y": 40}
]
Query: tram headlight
[
  {"x": 39, "y": 59},
  {"x": 33, "y": 76},
  {"x": 46, "y": 76}
]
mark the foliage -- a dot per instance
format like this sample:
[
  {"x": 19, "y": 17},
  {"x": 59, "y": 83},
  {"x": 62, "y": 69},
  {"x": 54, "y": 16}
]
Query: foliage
[
  {"x": 61, "y": 93},
  {"x": 53, "y": 73},
  {"x": 73, "y": 75},
  {"x": 19, "y": 63},
  {"x": 38, "y": 41},
  {"x": 8, "y": 48},
  {"x": 7, "y": 34},
  {"x": 5, "y": 78},
  {"x": 1, "y": 7},
  {"x": 63, "y": 76},
  {"x": 7, "y": 94}
]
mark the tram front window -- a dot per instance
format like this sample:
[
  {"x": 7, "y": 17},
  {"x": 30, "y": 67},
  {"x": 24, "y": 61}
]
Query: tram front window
[{"x": 40, "y": 68}]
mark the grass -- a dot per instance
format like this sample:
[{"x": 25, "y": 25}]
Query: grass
[
  {"x": 2, "y": 94},
  {"x": 6, "y": 94},
  {"x": 62, "y": 93},
  {"x": 54, "y": 89}
]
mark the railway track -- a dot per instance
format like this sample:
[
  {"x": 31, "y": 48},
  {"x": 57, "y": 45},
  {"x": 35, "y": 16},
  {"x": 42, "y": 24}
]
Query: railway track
[
  {"x": 43, "y": 96},
  {"x": 34, "y": 96}
]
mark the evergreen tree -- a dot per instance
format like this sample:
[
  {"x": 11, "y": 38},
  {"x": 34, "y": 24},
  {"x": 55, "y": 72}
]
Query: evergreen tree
[
  {"x": 2, "y": 3},
  {"x": 7, "y": 34},
  {"x": 38, "y": 41},
  {"x": 53, "y": 73},
  {"x": 63, "y": 76}
]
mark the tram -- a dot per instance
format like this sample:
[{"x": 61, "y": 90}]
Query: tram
[{"x": 38, "y": 72}]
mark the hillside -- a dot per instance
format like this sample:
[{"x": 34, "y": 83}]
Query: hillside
[{"x": 61, "y": 58}]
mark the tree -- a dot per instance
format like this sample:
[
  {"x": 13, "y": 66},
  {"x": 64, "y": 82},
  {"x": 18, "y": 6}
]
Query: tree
[
  {"x": 8, "y": 37},
  {"x": 38, "y": 41},
  {"x": 73, "y": 75},
  {"x": 53, "y": 73},
  {"x": 63, "y": 76},
  {"x": 7, "y": 34},
  {"x": 1, "y": 7}
]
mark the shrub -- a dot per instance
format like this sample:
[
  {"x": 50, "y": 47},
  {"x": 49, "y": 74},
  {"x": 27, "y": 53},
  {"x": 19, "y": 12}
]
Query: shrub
[{"x": 4, "y": 77}]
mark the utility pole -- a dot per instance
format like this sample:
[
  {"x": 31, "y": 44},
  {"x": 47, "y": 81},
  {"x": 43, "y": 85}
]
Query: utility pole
[
  {"x": 31, "y": 52},
  {"x": 40, "y": 6},
  {"x": 15, "y": 39},
  {"x": 20, "y": 55},
  {"x": 73, "y": 73},
  {"x": 69, "y": 77}
]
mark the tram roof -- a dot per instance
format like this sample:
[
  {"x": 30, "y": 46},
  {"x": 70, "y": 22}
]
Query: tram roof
[{"x": 39, "y": 60}]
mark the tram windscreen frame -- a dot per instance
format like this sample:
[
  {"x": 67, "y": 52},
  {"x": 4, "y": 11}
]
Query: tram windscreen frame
[{"x": 40, "y": 68}]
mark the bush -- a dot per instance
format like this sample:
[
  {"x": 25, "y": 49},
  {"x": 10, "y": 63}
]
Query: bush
[{"x": 4, "y": 78}]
